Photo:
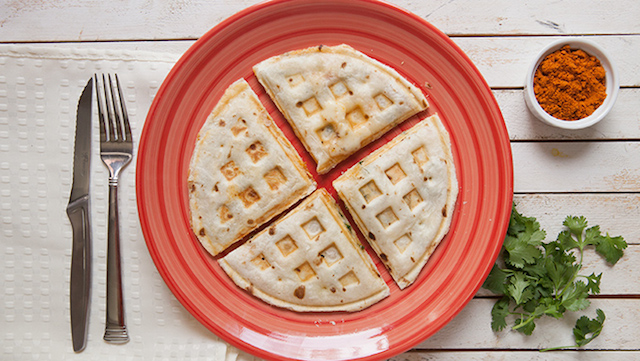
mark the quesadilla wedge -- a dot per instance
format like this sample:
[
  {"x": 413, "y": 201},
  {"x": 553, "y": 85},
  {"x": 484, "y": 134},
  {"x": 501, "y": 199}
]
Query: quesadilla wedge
[
  {"x": 308, "y": 261},
  {"x": 337, "y": 99},
  {"x": 243, "y": 171},
  {"x": 402, "y": 197}
]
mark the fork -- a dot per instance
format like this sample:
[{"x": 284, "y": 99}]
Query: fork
[{"x": 116, "y": 151}]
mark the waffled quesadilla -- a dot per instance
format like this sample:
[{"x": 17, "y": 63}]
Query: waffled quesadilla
[
  {"x": 243, "y": 171},
  {"x": 337, "y": 99},
  {"x": 402, "y": 197},
  {"x": 308, "y": 261}
]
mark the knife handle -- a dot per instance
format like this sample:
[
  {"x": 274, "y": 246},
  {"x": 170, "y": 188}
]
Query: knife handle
[
  {"x": 116, "y": 329},
  {"x": 80, "y": 284}
]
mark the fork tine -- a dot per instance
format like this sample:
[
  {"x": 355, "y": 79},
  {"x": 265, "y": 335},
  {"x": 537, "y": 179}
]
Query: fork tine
[
  {"x": 101, "y": 113},
  {"x": 117, "y": 112},
  {"x": 123, "y": 108},
  {"x": 111, "y": 111}
]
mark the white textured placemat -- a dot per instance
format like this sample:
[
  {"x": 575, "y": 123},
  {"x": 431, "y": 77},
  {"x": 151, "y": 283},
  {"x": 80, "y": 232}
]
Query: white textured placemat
[{"x": 39, "y": 91}]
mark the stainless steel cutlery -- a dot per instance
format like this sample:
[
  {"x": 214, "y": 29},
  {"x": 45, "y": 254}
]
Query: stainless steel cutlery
[
  {"x": 79, "y": 216},
  {"x": 116, "y": 151}
]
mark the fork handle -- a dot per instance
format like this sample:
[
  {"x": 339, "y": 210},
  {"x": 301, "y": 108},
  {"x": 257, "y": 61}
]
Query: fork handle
[{"x": 116, "y": 329}]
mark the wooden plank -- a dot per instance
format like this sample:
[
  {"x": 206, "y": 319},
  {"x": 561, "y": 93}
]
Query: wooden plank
[
  {"x": 576, "y": 167},
  {"x": 74, "y": 20},
  {"x": 504, "y": 61},
  {"x": 618, "y": 214},
  {"x": 618, "y": 280},
  {"x": 471, "y": 329},
  {"x": 621, "y": 123},
  {"x": 483, "y": 355},
  {"x": 540, "y": 17},
  {"x": 177, "y": 47},
  {"x": 234, "y": 354}
]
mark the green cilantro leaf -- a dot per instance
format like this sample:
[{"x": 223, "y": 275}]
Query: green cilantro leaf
[
  {"x": 559, "y": 253},
  {"x": 518, "y": 288},
  {"x": 520, "y": 251},
  {"x": 575, "y": 224},
  {"x": 536, "y": 237},
  {"x": 593, "y": 283},
  {"x": 587, "y": 329},
  {"x": 496, "y": 280},
  {"x": 499, "y": 314},
  {"x": 556, "y": 272},
  {"x": 553, "y": 308},
  {"x": 518, "y": 222},
  {"x": 566, "y": 240},
  {"x": 575, "y": 298},
  {"x": 525, "y": 326},
  {"x": 611, "y": 248},
  {"x": 592, "y": 235}
]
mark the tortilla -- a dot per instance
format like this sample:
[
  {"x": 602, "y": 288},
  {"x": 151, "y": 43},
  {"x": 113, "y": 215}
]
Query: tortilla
[
  {"x": 243, "y": 171},
  {"x": 402, "y": 197},
  {"x": 308, "y": 261},
  {"x": 337, "y": 99}
]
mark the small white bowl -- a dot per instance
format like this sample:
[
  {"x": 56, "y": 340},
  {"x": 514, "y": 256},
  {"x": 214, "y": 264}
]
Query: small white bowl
[{"x": 611, "y": 81}]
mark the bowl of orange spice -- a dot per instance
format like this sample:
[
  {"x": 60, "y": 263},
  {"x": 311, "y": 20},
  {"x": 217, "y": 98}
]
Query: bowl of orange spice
[{"x": 572, "y": 84}]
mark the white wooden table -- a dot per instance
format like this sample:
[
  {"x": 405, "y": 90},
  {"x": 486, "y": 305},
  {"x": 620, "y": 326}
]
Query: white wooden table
[{"x": 593, "y": 172}]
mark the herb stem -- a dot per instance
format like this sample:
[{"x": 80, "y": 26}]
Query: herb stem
[
  {"x": 558, "y": 348},
  {"x": 530, "y": 319}
]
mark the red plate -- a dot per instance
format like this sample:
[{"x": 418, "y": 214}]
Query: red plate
[{"x": 456, "y": 91}]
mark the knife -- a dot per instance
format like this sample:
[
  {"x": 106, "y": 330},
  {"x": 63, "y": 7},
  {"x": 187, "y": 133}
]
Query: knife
[{"x": 78, "y": 212}]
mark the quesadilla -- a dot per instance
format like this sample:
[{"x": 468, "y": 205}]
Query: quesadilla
[
  {"x": 243, "y": 171},
  {"x": 308, "y": 261},
  {"x": 337, "y": 99},
  {"x": 402, "y": 197}
]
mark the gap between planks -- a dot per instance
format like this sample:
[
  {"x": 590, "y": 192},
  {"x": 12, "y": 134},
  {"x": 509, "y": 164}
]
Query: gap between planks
[{"x": 513, "y": 354}]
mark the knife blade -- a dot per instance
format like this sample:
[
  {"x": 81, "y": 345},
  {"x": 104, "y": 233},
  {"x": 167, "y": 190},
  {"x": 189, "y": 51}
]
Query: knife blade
[{"x": 78, "y": 212}]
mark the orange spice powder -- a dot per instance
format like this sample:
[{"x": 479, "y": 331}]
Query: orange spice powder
[{"x": 570, "y": 84}]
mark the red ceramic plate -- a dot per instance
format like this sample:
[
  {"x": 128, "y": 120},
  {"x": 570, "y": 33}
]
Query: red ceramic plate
[{"x": 456, "y": 91}]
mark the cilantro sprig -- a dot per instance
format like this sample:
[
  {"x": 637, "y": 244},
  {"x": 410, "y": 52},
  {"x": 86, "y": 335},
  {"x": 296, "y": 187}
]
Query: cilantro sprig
[{"x": 538, "y": 279}]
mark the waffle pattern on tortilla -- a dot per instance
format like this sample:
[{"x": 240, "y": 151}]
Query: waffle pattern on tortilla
[
  {"x": 308, "y": 261},
  {"x": 243, "y": 171},
  {"x": 337, "y": 99},
  {"x": 402, "y": 197}
]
